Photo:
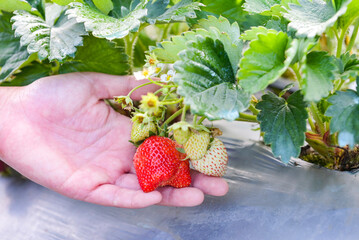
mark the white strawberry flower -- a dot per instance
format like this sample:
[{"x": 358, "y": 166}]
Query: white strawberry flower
[
  {"x": 145, "y": 73},
  {"x": 166, "y": 78},
  {"x": 149, "y": 72},
  {"x": 158, "y": 69}
]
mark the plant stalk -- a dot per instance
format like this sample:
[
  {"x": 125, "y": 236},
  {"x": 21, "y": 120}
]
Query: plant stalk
[
  {"x": 247, "y": 118},
  {"x": 139, "y": 86},
  {"x": 171, "y": 118},
  {"x": 183, "y": 117},
  {"x": 201, "y": 120},
  {"x": 318, "y": 120},
  {"x": 253, "y": 109},
  {"x": 130, "y": 48},
  {"x": 172, "y": 102},
  {"x": 354, "y": 36}
]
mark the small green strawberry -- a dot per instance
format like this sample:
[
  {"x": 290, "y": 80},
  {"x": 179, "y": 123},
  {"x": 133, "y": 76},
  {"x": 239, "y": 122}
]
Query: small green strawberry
[
  {"x": 181, "y": 132},
  {"x": 214, "y": 163},
  {"x": 196, "y": 146},
  {"x": 141, "y": 128}
]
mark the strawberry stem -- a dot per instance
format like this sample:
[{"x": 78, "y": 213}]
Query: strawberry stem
[
  {"x": 171, "y": 118},
  {"x": 172, "y": 102},
  {"x": 201, "y": 120},
  {"x": 247, "y": 118},
  {"x": 183, "y": 117},
  {"x": 160, "y": 84},
  {"x": 195, "y": 120},
  {"x": 139, "y": 86}
]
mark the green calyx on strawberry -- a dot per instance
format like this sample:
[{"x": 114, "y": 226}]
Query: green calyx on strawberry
[
  {"x": 158, "y": 163},
  {"x": 214, "y": 162},
  {"x": 197, "y": 144},
  {"x": 181, "y": 131},
  {"x": 142, "y": 127},
  {"x": 125, "y": 101}
]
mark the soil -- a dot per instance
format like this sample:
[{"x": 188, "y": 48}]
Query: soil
[{"x": 343, "y": 159}]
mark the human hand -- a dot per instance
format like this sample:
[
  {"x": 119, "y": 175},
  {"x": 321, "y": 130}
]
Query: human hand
[{"x": 59, "y": 133}]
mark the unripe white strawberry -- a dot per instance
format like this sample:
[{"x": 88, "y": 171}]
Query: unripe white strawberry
[
  {"x": 141, "y": 128},
  {"x": 196, "y": 146},
  {"x": 214, "y": 162},
  {"x": 181, "y": 132}
]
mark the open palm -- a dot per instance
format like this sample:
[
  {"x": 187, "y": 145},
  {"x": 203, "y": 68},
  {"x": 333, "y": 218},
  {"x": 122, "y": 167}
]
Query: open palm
[{"x": 62, "y": 135}]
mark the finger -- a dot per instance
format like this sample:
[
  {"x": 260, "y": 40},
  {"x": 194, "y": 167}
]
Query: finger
[
  {"x": 214, "y": 186},
  {"x": 114, "y": 196},
  {"x": 181, "y": 197},
  {"x": 128, "y": 181},
  {"x": 111, "y": 85}
]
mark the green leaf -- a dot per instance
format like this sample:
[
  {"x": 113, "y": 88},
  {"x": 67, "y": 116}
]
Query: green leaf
[
  {"x": 216, "y": 28},
  {"x": 14, "y": 63},
  {"x": 264, "y": 61},
  {"x": 345, "y": 114},
  {"x": 312, "y": 18},
  {"x": 12, "y": 55},
  {"x": 348, "y": 66},
  {"x": 29, "y": 74},
  {"x": 65, "y": 2},
  {"x": 301, "y": 47},
  {"x": 167, "y": 51},
  {"x": 206, "y": 80},
  {"x": 104, "y": 6},
  {"x": 104, "y": 26},
  {"x": 9, "y": 44},
  {"x": 283, "y": 123},
  {"x": 264, "y": 7},
  {"x": 318, "y": 75},
  {"x": 28, "y": 5},
  {"x": 53, "y": 38},
  {"x": 12, "y": 5},
  {"x": 231, "y": 10},
  {"x": 252, "y": 33},
  {"x": 121, "y": 8},
  {"x": 98, "y": 55},
  {"x": 351, "y": 14},
  {"x": 221, "y": 29},
  {"x": 156, "y": 8},
  {"x": 141, "y": 48},
  {"x": 223, "y": 25},
  {"x": 280, "y": 25},
  {"x": 181, "y": 10}
]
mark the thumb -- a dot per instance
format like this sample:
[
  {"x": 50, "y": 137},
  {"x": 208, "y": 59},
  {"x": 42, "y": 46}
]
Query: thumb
[{"x": 111, "y": 85}]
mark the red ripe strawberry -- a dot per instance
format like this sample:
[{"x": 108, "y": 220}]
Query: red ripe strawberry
[
  {"x": 158, "y": 163},
  {"x": 182, "y": 178}
]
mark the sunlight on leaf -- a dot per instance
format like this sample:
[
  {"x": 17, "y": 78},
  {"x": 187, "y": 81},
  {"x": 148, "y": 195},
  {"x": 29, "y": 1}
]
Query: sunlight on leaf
[
  {"x": 104, "y": 26},
  {"x": 312, "y": 18},
  {"x": 265, "y": 61},
  {"x": 53, "y": 38},
  {"x": 206, "y": 80}
]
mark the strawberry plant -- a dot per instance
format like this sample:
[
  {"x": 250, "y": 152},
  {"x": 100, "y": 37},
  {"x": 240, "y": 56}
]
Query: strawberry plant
[{"x": 212, "y": 59}]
